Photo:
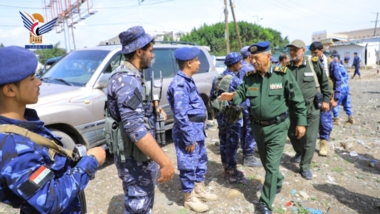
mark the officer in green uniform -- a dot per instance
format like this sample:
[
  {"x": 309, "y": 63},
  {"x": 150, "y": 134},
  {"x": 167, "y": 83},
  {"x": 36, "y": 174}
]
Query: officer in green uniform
[
  {"x": 270, "y": 90},
  {"x": 307, "y": 71}
]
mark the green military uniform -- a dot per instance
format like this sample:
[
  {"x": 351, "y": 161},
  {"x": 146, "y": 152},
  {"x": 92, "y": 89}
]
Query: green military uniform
[
  {"x": 270, "y": 96},
  {"x": 305, "y": 79}
]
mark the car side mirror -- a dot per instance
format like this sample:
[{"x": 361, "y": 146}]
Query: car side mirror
[{"x": 103, "y": 81}]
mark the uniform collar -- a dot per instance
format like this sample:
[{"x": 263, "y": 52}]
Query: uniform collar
[
  {"x": 229, "y": 72},
  {"x": 180, "y": 73},
  {"x": 131, "y": 67},
  {"x": 304, "y": 63},
  {"x": 33, "y": 121}
]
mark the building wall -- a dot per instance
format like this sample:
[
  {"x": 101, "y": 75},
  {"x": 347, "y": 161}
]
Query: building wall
[
  {"x": 348, "y": 35},
  {"x": 348, "y": 50}
]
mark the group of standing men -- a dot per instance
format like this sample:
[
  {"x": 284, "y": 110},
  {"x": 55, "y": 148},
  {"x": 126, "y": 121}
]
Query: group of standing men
[
  {"x": 276, "y": 102},
  {"x": 294, "y": 99}
]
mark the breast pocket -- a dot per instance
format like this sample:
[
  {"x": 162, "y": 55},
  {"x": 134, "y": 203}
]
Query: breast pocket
[
  {"x": 308, "y": 82},
  {"x": 275, "y": 96},
  {"x": 253, "y": 98}
]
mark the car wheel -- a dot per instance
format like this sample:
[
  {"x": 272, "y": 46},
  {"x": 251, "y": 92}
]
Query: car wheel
[{"x": 66, "y": 140}]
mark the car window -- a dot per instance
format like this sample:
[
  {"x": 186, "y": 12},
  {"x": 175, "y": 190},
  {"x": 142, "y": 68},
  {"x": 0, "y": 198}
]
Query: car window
[
  {"x": 115, "y": 62},
  {"x": 163, "y": 61},
  {"x": 205, "y": 66},
  {"x": 76, "y": 68}
]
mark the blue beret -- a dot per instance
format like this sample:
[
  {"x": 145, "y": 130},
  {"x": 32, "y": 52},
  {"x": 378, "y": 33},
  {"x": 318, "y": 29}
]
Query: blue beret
[
  {"x": 232, "y": 58},
  {"x": 16, "y": 64},
  {"x": 186, "y": 53},
  {"x": 273, "y": 59},
  {"x": 334, "y": 53},
  {"x": 259, "y": 47},
  {"x": 245, "y": 52},
  {"x": 346, "y": 58},
  {"x": 356, "y": 53},
  {"x": 133, "y": 39}
]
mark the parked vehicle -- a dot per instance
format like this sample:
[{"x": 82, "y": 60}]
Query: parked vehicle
[
  {"x": 219, "y": 64},
  {"x": 73, "y": 92},
  {"x": 47, "y": 65}
]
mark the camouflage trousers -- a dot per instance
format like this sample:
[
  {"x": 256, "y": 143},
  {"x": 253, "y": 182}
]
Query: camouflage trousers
[
  {"x": 325, "y": 125},
  {"x": 139, "y": 180},
  {"x": 229, "y": 136},
  {"x": 192, "y": 166},
  {"x": 247, "y": 141},
  {"x": 345, "y": 101}
]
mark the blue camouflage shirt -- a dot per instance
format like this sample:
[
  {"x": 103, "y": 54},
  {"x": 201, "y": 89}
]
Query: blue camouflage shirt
[
  {"x": 356, "y": 62},
  {"x": 245, "y": 68},
  {"x": 123, "y": 90},
  {"x": 185, "y": 101},
  {"x": 31, "y": 180},
  {"x": 336, "y": 78}
]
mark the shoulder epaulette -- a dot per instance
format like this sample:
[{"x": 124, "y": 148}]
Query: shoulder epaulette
[
  {"x": 280, "y": 69},
  {"x": 250, "y": 73},
  {"x": 315, "y": 59}
]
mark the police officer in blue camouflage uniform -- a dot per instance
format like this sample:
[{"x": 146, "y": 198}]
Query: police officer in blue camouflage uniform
[
  {"x": 356, "y": 65},
  {"x": 189, "y": 130},
  {"x": 247, "y": 141},
  {"x": 229, "y": 134},
  {"x": 344, "y": 100},
  {"x": 125, "y": 97},
  {"x": 32, "y": 177}
]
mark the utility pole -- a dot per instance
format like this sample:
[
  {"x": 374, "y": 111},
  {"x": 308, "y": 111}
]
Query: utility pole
[
  {"x": 226, "y": 30},
  {"x": 236, "y": 26},
  {"x": 377, "y": 16}
]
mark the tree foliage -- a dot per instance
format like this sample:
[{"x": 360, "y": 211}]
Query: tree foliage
[
  {"x": 45, "y": 54},
  {"x": 213, "y": 36},
  {"x": 1, "y": 45}
]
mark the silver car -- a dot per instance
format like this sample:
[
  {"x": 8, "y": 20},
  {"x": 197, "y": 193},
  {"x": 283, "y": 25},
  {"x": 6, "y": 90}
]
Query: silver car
[{"x": 73, "y": 92}]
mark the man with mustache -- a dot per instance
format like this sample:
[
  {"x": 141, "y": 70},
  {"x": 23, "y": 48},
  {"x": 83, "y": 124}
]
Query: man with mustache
[{"x": 304, "y": 69}]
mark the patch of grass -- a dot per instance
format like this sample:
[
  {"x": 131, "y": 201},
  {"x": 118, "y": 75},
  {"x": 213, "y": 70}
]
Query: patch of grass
[
  {"x": 278, "y": 210},
  {"x": 210, "y": 162},
  {"x": 378, "y": 180},
  {"x": 335, "y": 156},
  {"x": 315, "y": 165},
  {"x": 337, "y": 169},
  {"x": 314, "y": 198},
  {"x": 348, "y": 160},
  {"x": 239, "y": 186},
  {"x": 360, "y": 177},
  {"x": 183, "y": 211},
  {"x": 252, "y": 177}
]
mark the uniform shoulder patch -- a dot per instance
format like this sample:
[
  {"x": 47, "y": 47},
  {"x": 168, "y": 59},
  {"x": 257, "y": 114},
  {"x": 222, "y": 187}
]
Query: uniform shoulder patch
[
  {"x": 250, "y": 73},
  {"x": 37, "y": 180},
  {"x": 280, "y": 69},
  {"x": 315, "y": 59}
]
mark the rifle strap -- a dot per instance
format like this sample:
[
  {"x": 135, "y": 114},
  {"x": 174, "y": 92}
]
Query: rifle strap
[{"x": 36, "y": 138}]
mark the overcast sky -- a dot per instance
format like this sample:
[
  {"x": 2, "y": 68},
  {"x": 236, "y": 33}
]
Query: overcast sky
[{"x": 297, "y": 19}]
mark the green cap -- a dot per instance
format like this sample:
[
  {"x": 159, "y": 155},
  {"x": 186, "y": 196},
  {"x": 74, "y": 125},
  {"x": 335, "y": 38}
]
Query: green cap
[{"x": 297, "y": 43}]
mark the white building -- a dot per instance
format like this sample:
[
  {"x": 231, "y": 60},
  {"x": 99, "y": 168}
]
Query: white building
[{"x": 367, "y": 54}]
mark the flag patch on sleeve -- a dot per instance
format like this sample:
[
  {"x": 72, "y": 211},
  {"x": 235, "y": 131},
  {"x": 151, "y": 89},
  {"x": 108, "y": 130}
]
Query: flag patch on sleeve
[{"x": 37, "y": 180}]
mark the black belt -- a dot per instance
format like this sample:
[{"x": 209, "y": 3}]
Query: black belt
[
  {"x": 197, "y": 119},
  {"x": 281, "y": 118}
]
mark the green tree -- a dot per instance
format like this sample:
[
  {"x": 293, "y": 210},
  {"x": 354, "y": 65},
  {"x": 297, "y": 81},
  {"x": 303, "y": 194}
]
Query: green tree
[
  {"x": 213, "y": 36},
  {"x": 45, "y": 54},
  {"x": 1, "y": 45}
]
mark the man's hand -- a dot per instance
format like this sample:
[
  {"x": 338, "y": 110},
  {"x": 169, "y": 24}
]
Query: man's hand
[
  {"x": 166, "y": 173},
  {"x": 325, "y": 106},
  {"x": 333, "y": 103},
  {"x": 162, "y": 112},
  {"x": 300, "y": 131},
  {"x": 227, "y": 96},
  {"x": 99, "y": 153},
  {"x": 192, "y": 147}
]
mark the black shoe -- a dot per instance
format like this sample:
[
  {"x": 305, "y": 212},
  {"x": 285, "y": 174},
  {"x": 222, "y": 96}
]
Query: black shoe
[
  {"x": 278, "y": 190},
  {"x": 262, "y": 209},
  {"x": 251, "y": 161},
  {"x": 296, "y": 158},
  {"x": 307, "y": 175}
]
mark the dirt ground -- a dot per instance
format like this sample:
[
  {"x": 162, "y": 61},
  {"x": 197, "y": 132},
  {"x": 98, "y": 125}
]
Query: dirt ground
[{"x": 343, "y": 182}]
